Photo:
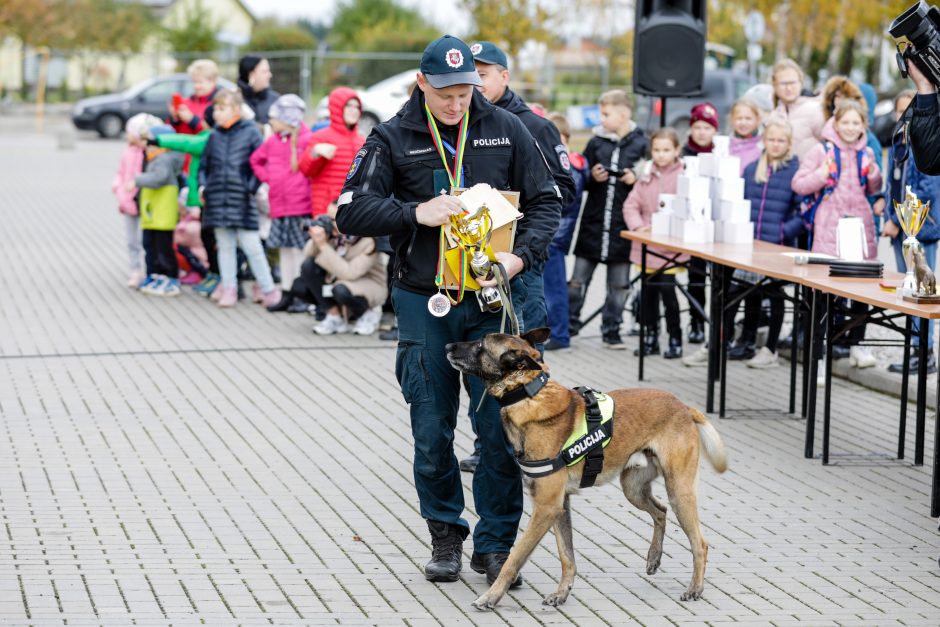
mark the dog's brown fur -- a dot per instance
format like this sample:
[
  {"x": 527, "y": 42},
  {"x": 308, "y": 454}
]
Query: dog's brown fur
[{"x": 650, "y": 426}]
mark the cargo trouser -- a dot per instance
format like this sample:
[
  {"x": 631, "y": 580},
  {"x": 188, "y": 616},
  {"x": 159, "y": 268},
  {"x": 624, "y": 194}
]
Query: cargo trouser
[{"x": 431, "y": 387}]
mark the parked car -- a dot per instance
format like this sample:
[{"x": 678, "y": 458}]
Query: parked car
[
  {"x": 380, "y": 102},
  {"x": 721, "y": 87},
  {"x": 108, "y": 113}
]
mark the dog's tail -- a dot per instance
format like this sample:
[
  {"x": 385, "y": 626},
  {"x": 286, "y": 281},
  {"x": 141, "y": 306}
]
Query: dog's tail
[{"x": 711, "y": 441}]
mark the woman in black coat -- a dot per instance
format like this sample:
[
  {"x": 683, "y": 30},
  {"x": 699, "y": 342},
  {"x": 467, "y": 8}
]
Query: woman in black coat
[{"x": 254, "y": 81}]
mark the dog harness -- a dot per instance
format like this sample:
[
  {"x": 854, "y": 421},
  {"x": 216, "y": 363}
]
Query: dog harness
[{"x": 587, "y": 442}]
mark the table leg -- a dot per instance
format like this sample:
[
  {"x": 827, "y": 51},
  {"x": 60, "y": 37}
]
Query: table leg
[
  {"x": 905, "y": 378},
  {"x": 935, "y": 484},
  {"x": 794, "y": 334},
  {"x": 722, "y": 342},
  {"x": 827, "y": 402},
  {"x": 807, "y": 329},
  {"x": 714, "y": 335},
  {"x": 643, "y": 288},
  {"x": 920, "y": 426},
  {"x": 809, "y": 349}
]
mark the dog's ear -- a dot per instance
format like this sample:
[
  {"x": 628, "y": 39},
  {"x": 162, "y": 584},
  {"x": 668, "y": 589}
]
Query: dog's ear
[
  {"x": 511, "y": 361},
  {"x": 537, "y": 336}
]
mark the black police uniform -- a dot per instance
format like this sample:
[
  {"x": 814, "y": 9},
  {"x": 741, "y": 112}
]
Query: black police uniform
[{"x": 397, "y": 169}]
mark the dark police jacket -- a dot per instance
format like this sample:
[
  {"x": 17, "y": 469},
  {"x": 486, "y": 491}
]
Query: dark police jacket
[
  {"x": 399, "y": 167},
  {"x": 925, "y": 132},
  {"x": 549, "y": 142}
]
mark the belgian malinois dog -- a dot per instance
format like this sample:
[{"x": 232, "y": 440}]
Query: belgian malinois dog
[{"x": 654, "y": 434}]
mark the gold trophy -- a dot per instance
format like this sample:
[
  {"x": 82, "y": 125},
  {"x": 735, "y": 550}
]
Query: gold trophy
[
  {"x": 912, "y": 214},
  {"x": 473, "y": 232}
]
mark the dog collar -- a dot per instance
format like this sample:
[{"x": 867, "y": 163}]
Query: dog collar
[{"x": 523, "y": 392}]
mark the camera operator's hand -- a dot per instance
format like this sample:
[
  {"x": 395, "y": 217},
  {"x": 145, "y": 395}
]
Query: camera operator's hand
[
  {"x": 438, "y": 210},
  {"x": 599, "y": 173},
  {"x": 924, "y": 86},
  {"x": 318, "y": 235},
  {"x": 511, "y": 262}
]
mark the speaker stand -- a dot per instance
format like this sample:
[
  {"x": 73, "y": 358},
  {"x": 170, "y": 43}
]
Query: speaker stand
[{"x": 662, "y": 112}]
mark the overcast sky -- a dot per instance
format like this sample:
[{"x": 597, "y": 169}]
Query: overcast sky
[{"x": 445, "y": 15}]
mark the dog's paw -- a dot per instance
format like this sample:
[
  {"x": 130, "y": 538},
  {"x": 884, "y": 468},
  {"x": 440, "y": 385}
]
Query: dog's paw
[
  {"x": 484, "y": 603},
  {"x": 555, "y": 599},
  {"x": 692, "y": 594},
  {"x": 652, "y": 565}
]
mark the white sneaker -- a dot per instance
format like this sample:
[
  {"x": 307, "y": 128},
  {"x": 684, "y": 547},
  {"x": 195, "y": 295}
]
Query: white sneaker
[
  {"x": 764, "y": 358},
  {"x": 331, "y": 324},
  {"x": 155, "y": 286},
  {"x": 368, "y": 322},
  {"x": 697, "y": 359},
  {"x": 861, "y": 357}
]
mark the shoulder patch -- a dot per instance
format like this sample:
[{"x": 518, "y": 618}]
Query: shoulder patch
[
  {"x": 354, "y": 167},
  {"x": 563, "y": 157}
]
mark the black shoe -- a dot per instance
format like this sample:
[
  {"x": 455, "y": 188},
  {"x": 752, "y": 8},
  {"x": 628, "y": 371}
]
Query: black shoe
[
  {"x": 491, "y": 564},
  {"x": 634, "y": 330},
  {"x": 650, "y": 346},
  {"x": 287, "y": 299},
  {"x": 553, "y": 345},
  {"x": 741, "y": 351},
  {"x": 675, "y": 348},
  {"x": 696, "y": 333},
  {"x": 574, "y": 327},
  {"x": 446, "y": 552},
  {"x": 840, "y": 352},
  {"x": 914, "y": 362},
  {"x": 612, "y": 340},
  {"x": 470, "y": 464},
  {"x": 298, "y": 307},
  {"x": 390, "y": 336}
]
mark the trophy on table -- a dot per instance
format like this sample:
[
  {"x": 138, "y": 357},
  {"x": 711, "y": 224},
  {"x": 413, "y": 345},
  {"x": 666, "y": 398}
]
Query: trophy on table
[{"x": 912, "y": 214}]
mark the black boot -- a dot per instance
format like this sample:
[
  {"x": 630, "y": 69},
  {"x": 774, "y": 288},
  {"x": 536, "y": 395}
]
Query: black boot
[
  {"x": 491, "y": 564},
  {"x": 287, "y": 299},
  {"x": 650, "y": 345},
  {"x": 914, "y": 363},
  {"x": 696, "y": 332},
  {"x": 741, "y": 350},
  {"x": 446, "y": 552},
  {"x": 675, "y": 348}
]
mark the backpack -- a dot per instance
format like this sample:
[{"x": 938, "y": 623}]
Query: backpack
[{"x": 811, "y": 202}]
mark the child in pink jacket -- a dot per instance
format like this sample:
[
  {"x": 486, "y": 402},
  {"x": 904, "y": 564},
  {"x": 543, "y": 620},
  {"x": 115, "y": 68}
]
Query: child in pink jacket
[
  {"x": 638, "y": 211},
  {"x": 132, "y": 164},
  {"x": 276, "y": 162},
  {"x": 837, "y": 177}
]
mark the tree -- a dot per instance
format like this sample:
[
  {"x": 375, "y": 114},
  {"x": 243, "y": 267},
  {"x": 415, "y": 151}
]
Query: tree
[
  {"x": 196, "y": 33},
  {"x": 269, "y": 34},
  {"x": 35, "y": 23},
  {"x": 371, "y": 19},
  {"x": 510, "y": 23}
]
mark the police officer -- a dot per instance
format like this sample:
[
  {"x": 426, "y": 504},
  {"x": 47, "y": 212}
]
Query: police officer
[
  {"x": 493, "y": 67},
  {"x": 397, "y": 185}
]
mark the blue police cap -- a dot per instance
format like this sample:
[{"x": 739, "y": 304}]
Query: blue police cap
[
  {"x": 448, "y": 61},
  {"x": 489, "y": 53}
]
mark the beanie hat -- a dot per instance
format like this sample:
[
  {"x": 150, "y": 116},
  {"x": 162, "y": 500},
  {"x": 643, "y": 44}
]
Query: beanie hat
[
  {"x": 704, "y": 112},
  {"x": 289, "y": 109},
  {"x": 139, "y": 124},
  {"x": 246, "y": 65}
]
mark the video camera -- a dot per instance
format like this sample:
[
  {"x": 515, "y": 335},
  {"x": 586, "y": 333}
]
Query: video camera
[
  {"x": 917, "y": 33},
  {"x": 324, "y": 221}
]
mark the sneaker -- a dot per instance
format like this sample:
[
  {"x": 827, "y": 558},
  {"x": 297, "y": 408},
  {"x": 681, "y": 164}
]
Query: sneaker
[
  {"x": 696, "y": 332},
  {"x": 492, "y": 564},
  {"x": 367, "y": 322},
  {"x": 446, "y": 552},
  {"x": 898, "y": 367},
  {"x": 763, "y": 358},
  {"x": 741, "y": 351},
  {"x": 861, "y": 357},
  {"x": 135, "y": 279},
  {"x": 272, "y": 298},
  {"x": 675, "y": 348},
  {"x": 191, "y": 278},
  {"x": 331, "y": 324},
  {"x": 387, "y": 321},
  {"x": 208, "y": 284},
  {"x": 554, "y": 345},
  {"x": 155, "y": 285},
  {"x": 612, "y": 341},
  {"x": 697, "y": 359},
  {"x": 169, "y": 287},
  {"x": 228, "y": 296},
  {"x": 389, "y": 336},
  {"x": 147, "y": 280}
]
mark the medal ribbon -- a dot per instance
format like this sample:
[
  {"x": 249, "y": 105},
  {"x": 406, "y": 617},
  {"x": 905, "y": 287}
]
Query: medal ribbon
[
  {"x": 455, "y": 176},
  {"x": 441, "y": 262}
]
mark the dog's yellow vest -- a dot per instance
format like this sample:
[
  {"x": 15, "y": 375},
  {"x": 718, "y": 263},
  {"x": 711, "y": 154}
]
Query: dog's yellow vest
[{"x": 606, "y": 405}]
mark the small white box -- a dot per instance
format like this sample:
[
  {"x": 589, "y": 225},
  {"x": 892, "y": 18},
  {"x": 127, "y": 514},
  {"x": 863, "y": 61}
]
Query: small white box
[
  {"x": 727, "y": 167},
  {"x": 728, "y": 189},
  {"x": 693, "y": 186},
  {"x": 721, "y": 145},
  {"x": 661, "y": 224},
  {"x": 666, "y": 203},
  {"x": 691, "y": 166},
  {"x": 736, "y": 211},
  {"x": 706, "y": 164},
  {"x": 699, "y": 208},
  {"x": 735, "y": 232},
  {"x": 680, "y": 206},
  {"x": 695, "y": 232}
]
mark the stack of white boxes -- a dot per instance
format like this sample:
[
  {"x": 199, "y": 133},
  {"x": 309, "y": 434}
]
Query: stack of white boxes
[{"x": 709, "y": 203}]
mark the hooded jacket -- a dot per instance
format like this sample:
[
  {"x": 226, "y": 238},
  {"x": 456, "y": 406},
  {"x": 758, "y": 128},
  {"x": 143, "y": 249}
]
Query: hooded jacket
[
  {"x": 399, "y": 167},
  {"x": 806, "y": 119},
  {"x": 602, "y": 217},
  {"x": 643, "y": 202},
  {"x": 848, "y": 198},
  {"x": 226, "y": 174},
  {"x": 159, "y": 189},
  {"x": 549, "y": 143},
  {"x": 327, "y": 176},
  {"x": 289, "y": 193},
  {"x": 775, "y": 207},
  {"x": 132, "y": 163},
  {"x": 258, "y": 101}
]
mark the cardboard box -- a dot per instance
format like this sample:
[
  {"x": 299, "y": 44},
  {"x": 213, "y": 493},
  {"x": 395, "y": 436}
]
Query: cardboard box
[
  {"x": 735, "y": 232},
  {"x": 692, "y": 167},
  {"x": 662, "y": 224},
  {"x": 728, "y": 188},
  {"x": 693, "y": 186},
  {"x": 694, "y": 232},
  {"x": 665, "y": 203},
  {"x": 734, "y": 211},
  {"x": 706, "y": 164},
  {"x": 502, "y": 240},
  {"x": 699, "y": 208},
  {"x": 727, "y": 167}
]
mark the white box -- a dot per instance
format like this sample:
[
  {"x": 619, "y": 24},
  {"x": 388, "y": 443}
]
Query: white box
[
  {"x": 694, "y": 232},
  {"x": 735, "y": 232},
  {"x": 666, "y": 203},
  {"x": 706, "y": 164},
  {"x": 721, "y": 145},
  {"x": 736, "y": 211},
  {"x": 691, "y": 166},
  {"x": 728, "y": 188},
  {"x": 727, "y": 167},
  {"x": 698, "y": 208},
  {"x": 662, "y": 224},
  {"x": 680, "y": 207},
  {"x": 693, "y": 186}
]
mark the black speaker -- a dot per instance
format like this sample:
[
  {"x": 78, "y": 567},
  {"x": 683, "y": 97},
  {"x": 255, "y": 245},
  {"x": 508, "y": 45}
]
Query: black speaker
[{"x": 669, "y": 47}]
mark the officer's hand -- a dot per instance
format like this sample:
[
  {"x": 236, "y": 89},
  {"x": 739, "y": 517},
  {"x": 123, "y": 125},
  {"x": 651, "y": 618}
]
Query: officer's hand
[
  {"x": 511, "y": 262},
  {"x": 599, "y": 173},
  {"x": 438, "y": 210},
  {"x": 924, "y": 86},
  {"x": 890, "y": 229},
  {"x": 878, "y": 208}
]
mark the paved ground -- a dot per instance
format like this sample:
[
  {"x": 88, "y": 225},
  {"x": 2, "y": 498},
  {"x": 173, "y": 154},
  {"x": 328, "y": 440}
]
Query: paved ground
[{"x": 164, "y": 461}]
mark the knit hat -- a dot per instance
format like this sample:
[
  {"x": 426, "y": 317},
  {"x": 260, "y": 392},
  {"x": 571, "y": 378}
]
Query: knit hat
[
  {"x": 138, "y": 125},
  {"x": 704, "y": 112},
  {"x": 246, "y": 65},
  {"x": 289, "y": 109}
]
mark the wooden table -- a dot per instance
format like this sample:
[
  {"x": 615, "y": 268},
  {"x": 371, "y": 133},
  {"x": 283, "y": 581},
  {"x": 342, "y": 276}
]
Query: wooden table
[{"x": 767, "y": 260}]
